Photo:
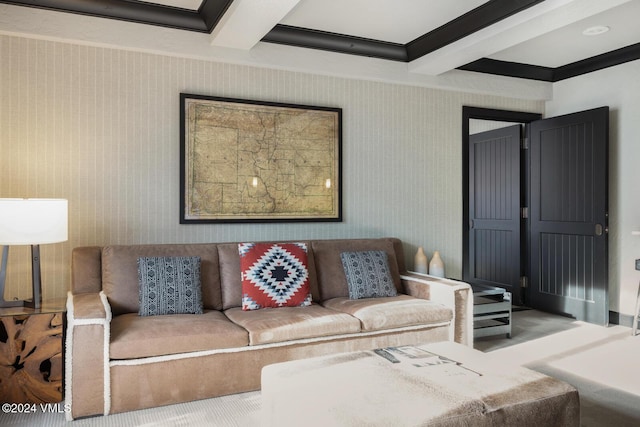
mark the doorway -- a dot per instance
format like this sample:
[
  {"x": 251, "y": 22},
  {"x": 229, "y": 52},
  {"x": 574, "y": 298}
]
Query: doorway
[{"x": 535, "y": 208}]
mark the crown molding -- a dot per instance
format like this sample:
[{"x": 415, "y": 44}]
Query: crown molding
[
  {"x": 313, "y": 39},
  {"x": 547, "y": 74},
  {"x": 203, "y": 20}
]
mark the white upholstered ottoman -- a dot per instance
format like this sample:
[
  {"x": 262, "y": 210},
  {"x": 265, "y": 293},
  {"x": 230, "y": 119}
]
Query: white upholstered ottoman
[{"x": 442, "y": 384}]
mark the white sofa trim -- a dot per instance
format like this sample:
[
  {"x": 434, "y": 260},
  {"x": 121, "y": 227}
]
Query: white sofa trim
[
  {"x": 72, "y": 322},
  {"x": 442, "y": 291}
]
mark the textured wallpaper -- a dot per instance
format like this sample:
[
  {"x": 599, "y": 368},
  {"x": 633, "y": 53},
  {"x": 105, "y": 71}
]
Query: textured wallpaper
[{"x": 100, "y": 127}]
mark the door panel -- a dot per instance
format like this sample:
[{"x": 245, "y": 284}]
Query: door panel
[
  {"x": 561, "y": 250},
  {"x": 494, "y": 209},
  {"x": 568, "y": 215}
]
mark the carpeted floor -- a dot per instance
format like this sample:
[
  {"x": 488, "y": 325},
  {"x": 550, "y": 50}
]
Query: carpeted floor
[
  {"x": 602, "y": 363},
  {"x": 238, "y": 410}
]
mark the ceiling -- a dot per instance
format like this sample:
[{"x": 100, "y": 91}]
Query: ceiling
[{"x": 532, "y": 39}]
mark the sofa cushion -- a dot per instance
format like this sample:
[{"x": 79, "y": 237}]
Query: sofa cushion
[
  {"x": 377, "y": 314},
  {"x": 368, "y": 274},
  {"x": 169, "y": 285},
  {"x": 230, "y": 280},
  {"x": 134, "y": 336},
  {"x": 120, "y": 273},
  {"x": 274, "y": 275},
  {"x": 292, "y": 323},
  {"x": 332, "y": 282}
]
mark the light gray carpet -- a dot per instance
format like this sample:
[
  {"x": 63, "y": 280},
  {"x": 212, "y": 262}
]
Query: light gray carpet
[
  {"x": 238, "y": 410},
  {"x": 602, "y": 363}
]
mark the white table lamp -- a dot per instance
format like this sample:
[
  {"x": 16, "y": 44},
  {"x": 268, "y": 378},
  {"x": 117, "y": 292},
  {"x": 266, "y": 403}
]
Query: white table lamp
[{"x": 30, "y": 222}]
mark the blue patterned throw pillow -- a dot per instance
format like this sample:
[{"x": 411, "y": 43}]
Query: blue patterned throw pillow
[
  {"x": 169, "y": 285},
  {"x": 368, "y": 274}
]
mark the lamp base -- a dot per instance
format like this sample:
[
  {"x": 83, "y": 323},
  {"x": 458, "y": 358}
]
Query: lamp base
[
  {"x": 3, "y": 276},
  {"x": 14, "y": 303},
  {"x": 36, "y": 278},
  {"x": 36, "y": 302}
]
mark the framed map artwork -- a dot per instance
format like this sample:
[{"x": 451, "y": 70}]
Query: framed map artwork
[{"x": 252, "y": 161}]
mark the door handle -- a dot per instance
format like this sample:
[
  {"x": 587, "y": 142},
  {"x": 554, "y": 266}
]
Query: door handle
[{"x": 599, "y": 229}]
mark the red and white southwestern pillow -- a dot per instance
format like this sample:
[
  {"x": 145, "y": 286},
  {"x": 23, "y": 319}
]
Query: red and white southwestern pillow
[{"x": 274, "y": 275}]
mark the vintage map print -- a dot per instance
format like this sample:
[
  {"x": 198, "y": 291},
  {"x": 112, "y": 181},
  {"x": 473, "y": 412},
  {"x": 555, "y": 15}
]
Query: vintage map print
[{"x": 253, "y": 161}]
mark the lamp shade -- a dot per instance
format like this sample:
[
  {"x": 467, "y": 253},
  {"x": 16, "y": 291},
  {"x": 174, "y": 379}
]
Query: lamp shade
[{"x": 33, "y": 221}]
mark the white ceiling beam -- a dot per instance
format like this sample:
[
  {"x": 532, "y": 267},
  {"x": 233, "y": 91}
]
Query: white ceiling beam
[
  {"x": 530, "y": 23},
  {"x": 247, "y": 21}
]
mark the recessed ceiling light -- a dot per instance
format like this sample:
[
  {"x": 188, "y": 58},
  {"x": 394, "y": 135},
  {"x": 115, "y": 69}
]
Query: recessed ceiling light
[{"x": 596, "y": 31}]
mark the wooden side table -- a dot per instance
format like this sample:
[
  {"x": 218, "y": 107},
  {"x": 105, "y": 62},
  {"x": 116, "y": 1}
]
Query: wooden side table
[{"x": 31, "y": 353}]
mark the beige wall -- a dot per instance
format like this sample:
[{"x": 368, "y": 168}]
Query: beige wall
[{"x": 99, "y": 126}]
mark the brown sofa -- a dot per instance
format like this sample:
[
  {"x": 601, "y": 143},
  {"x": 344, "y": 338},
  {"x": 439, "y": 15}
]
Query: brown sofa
[{"x": 118, "y": 361}]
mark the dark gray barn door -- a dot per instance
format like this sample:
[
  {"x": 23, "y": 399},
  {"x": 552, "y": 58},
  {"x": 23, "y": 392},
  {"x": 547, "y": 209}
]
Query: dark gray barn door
[
  {"x": 568, "y": 215},
  {"x": 494, "y": 209}
]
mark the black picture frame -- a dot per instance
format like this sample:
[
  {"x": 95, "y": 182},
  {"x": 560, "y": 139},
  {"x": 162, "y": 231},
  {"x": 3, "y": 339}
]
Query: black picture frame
[{"x": 258, "y": 161}]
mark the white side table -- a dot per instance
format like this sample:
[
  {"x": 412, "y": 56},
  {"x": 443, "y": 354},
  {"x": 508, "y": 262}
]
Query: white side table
[{"x": 491, "y": 311}]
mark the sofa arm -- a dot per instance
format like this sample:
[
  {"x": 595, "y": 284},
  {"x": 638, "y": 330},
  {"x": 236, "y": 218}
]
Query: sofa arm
[
  {"x": 451, "y": 293},
  {"x": 87, "y": 355}
]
